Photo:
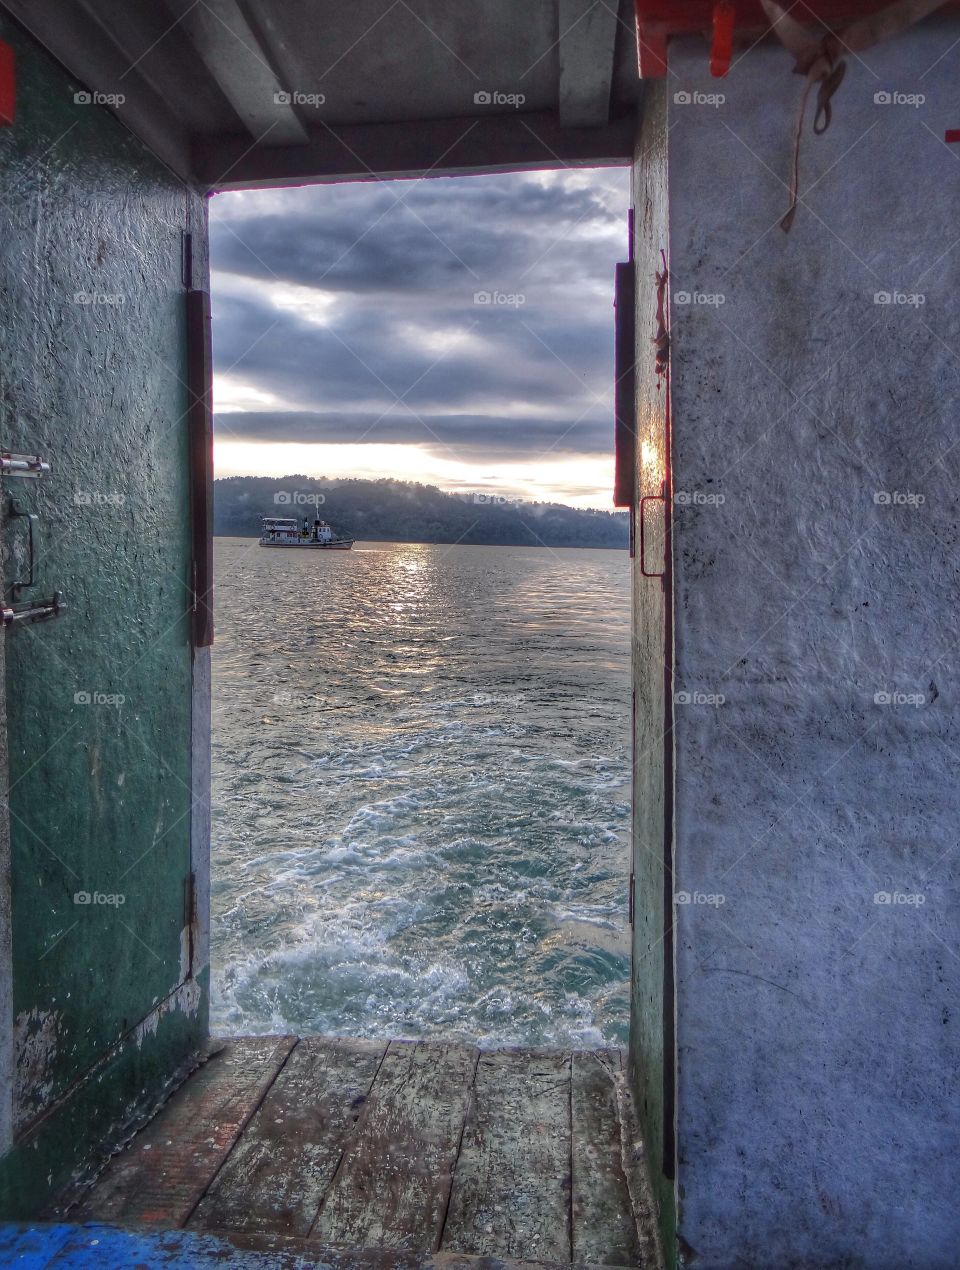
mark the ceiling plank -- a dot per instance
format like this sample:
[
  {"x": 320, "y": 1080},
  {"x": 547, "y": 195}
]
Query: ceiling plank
[
  {"x": 241, "y": 65},
  {"x": 587, "y": 43}
]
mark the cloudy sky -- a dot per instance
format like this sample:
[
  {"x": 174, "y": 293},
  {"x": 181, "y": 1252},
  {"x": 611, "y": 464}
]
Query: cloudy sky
[{"x": 351, "y": 336}]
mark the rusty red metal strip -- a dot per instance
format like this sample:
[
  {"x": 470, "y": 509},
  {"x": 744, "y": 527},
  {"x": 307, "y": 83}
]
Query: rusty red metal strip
[
  {"x": 721, "y": 51},
  {"x": 8, "y": 84}
]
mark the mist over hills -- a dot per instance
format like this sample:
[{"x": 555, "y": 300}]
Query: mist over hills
[{"x": 387, "y": 510}]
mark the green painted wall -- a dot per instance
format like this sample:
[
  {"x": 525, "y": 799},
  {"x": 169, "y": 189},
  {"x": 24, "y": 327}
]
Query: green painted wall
[
  {"x": 650, "y": 946},
  {"x": 99, "y": 702}
]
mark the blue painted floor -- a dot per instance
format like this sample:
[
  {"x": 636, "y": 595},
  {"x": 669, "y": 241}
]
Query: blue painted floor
[{"x": 95, "y": 1247}]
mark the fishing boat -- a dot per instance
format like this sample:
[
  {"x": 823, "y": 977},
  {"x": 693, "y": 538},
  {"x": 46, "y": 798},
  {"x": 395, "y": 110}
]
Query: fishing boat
[{"x": 278, "y": 531}]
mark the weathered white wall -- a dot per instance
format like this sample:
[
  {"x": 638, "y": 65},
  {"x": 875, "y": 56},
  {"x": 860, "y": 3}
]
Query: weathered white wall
[{"x": 818, "y": 1110}]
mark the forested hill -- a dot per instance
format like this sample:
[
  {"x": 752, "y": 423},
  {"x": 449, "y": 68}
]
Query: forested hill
[{"x": 400, "y": 511}]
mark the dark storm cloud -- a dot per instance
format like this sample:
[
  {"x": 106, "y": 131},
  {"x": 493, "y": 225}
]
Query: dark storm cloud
[
  {"x": 413, "y": 237},
  {"x": 466, "y": 437},
  {"x": 399, "y": 314},
  {"x": 371, "y": 355}
]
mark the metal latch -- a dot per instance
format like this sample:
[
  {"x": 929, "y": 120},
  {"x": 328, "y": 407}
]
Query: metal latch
[
  {"x": 31, "y": 465},
  {"x": 32, "y": 519},
  {"x": 38, "y": 611}
]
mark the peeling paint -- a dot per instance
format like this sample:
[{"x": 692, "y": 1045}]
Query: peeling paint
[
  {"x": 186, "y": 999},
  {"x": 36, "y": 1034}
]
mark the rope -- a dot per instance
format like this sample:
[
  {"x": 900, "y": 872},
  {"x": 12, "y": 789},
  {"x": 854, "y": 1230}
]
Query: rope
[{"x": 819, "y": 60}]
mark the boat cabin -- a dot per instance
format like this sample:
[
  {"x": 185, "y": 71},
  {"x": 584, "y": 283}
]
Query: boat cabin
[{"x": 278, "y": 529}]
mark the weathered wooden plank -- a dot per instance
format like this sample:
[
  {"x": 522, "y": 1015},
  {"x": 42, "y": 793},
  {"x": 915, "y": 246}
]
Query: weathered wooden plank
[
  {"x": 511, "y": 1189},
  {"x": 604, "y": 1227},
  {"x": 393, "y": 1185},
  {"x": 278, "y": 1172},
  {"x": 323, "y": 1257},
  {"x": 165, "y": 1170}
]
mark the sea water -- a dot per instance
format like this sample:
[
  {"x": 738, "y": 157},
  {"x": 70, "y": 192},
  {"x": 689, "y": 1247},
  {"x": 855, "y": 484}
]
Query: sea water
[{"x": 421, "y": 792}]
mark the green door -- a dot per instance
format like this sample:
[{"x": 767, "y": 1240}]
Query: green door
[{"x": 98, "y": 700}]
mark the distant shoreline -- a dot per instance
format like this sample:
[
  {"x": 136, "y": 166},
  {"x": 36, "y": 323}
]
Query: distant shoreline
[{"x": 388, "y": 510}]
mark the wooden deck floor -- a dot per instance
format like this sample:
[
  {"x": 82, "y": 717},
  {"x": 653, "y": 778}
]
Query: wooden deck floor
[{"x": 420, "y": 1147}]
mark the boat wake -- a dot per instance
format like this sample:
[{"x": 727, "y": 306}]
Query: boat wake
[{"x": 442, "y": 853}]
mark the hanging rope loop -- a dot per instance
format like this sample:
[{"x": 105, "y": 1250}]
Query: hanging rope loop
[{"x": 828, "y": 86}]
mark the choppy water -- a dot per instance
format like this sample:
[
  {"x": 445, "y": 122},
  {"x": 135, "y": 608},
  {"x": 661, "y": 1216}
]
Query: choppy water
[{"x": 421, "y": 792}]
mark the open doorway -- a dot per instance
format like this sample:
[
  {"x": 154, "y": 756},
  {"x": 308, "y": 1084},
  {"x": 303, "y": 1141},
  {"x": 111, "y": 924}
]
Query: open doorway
[{"x": 421, "y": 746}]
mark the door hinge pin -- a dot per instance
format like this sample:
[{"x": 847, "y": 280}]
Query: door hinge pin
[
  {"x": 31, "y": 465},
  {"x": 37, "y": 612}
]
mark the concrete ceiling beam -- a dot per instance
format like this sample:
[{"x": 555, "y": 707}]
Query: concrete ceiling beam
[
  {"x": 67, "y": 33},
  {"x": 435, "y": 147},
  {"x": 162, "y": 55},
  {"x": 587, "y": 44},
  {"x": 241, "y": 65}
]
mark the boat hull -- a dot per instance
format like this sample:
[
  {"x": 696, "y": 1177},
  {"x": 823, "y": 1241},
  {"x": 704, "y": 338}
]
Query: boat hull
[{"x": 344, "y": 545}]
